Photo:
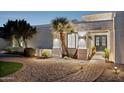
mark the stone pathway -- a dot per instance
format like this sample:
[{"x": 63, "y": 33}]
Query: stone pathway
[
  {"x": 90, "y": 72},
  {"x": 108, "y": 75}
]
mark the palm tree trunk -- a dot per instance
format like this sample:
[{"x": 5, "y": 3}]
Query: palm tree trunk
[
  {"x": 75, "y": 54},
  {"x": 64, "y": 47}
]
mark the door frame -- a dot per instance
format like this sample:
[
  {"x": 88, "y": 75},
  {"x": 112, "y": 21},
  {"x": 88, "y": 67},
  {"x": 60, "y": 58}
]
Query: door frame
[{"x": 99, "y": 41}]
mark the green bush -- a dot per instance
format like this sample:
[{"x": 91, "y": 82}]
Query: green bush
[
  {"x": 106, "y": 53},
  {"x": 14, "y": 50},
  {"x": 29, "y": 52},
  {"x": 93, "y": 50},
  {"x": 10, "y": 49},
  {"x": 46, "y": 53}
]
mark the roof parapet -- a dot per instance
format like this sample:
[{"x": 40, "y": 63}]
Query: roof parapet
[{"x": 98, "y": 17}]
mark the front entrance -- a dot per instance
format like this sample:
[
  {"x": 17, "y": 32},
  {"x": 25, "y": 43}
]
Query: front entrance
[{"x": 100, "y": 42}]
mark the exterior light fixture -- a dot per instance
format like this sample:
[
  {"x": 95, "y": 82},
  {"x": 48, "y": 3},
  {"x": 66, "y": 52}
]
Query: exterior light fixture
[
  {"x": 82, "y": 44},
  {"x": 56, "y": 43},
  {"x": 73, "y": 34},
  {"x": 82, "y": 33},
  {"x": 82, "y": 39},
  {"x": 116, "y": 70}
]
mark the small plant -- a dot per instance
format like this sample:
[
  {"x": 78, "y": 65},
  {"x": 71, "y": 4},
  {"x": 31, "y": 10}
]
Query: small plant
[
  {"x": 106, "y": 54},
  {"x": 46, "y": 53},
  {"x": 93, "y": 50},
  {"x": 90, "y": 55},
  {"x": 29, "y": 52}
]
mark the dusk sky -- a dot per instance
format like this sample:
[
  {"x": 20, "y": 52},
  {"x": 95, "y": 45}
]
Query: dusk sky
[{"x": 40, "y": 17}]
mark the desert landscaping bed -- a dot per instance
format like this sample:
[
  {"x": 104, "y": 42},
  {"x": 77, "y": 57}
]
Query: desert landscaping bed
[
  {"x": 109, "y": 76},
  {"x": 60, "y": 70},
  {"x": 43, "y": 70}
]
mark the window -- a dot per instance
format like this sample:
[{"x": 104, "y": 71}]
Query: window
[
  {"x": 103, "y": 41},
  {"x": 97, "y": 41},
  {"x": 72, "y": 40}
]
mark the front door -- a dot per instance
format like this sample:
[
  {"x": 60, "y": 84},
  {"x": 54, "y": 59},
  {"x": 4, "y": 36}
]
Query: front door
[{"x": 100, "y": 42}]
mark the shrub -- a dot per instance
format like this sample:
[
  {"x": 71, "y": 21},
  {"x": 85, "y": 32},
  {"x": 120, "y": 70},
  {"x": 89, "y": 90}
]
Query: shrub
[
  {"x": 93, "y": 50},
  {"x": 46, "y": 53},
  {"x": 14, "y": 50},
  {"x": 90, "y": 55},
  {"x": 29, "y": 52},
  {"x": 106, "y": 53},
  {"x": 10, "y": 49}
]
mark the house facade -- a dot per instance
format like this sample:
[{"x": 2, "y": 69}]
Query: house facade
[
  {"x": 100, "y": 29},
  {"x": 103, "y": 30},
  {"x": 106, "y": 30}
]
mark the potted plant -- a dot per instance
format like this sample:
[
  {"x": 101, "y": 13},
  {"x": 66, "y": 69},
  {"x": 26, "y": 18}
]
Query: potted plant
[{"x": 29, "y": 52}]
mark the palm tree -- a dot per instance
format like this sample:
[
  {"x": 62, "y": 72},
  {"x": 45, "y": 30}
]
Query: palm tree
[{"x": 62, "y": 26}]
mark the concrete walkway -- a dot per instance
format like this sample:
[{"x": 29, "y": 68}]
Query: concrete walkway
[{"x": 98, "y": 57}]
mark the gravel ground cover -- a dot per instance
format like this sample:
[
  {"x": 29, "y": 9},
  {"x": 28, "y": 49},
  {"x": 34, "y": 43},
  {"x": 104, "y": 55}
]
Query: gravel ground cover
[{"x": 61, "y": 70}]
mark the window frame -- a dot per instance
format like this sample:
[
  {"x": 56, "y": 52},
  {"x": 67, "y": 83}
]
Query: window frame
[{"x": 75, "y": 37}]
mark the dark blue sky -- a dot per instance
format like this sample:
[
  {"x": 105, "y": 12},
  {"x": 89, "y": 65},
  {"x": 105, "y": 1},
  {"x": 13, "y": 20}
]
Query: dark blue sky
[{"x": 41, "y": 17}]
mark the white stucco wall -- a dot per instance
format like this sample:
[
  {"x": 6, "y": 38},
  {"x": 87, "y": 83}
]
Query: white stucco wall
[
  {"x": 3, "y": 43},
  {"x": 43, "y": 39},
  {"x": 97, "y": 17},
  {"x": 119, "y": 37}
]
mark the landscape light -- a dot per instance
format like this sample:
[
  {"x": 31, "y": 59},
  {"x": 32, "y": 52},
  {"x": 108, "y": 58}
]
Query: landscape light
[{"x": 116, "y": 70}]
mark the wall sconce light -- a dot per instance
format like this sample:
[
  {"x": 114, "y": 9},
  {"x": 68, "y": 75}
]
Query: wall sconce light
[
  {"x": 82, "y": 33},
  {"x": 56, "y": 43}
]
